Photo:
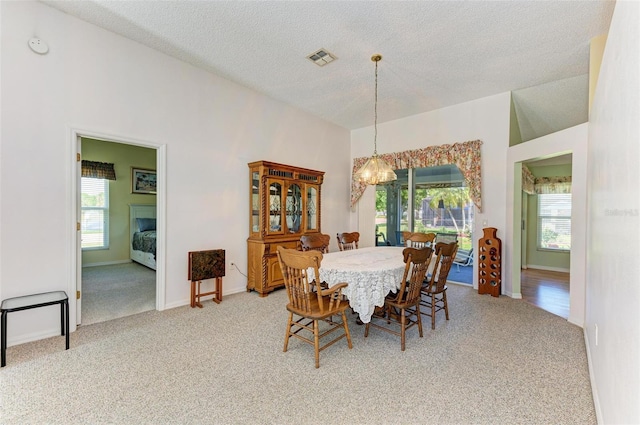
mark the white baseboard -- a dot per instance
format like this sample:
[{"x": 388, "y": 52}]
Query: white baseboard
[
  {"x": 187, "y": 301},
  {"x": 106, "y": 263},
  {"x": 594, "y": 388},
  {"x": 180, "y": 303},
  {"x": 574, "y": 321},
  {"x": 551, "y": 269},
  {"x": 35, "y": 336}
]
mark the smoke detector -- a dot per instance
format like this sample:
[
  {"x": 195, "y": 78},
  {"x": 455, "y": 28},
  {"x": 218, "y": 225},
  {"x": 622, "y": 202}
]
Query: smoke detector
[
  {"x": 38, "y": 46},
  {"x": 321, "y": 57}
]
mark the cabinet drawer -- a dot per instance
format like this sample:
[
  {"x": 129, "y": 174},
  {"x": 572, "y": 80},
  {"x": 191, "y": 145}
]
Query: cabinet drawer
[{"x": 272, "y": 248}]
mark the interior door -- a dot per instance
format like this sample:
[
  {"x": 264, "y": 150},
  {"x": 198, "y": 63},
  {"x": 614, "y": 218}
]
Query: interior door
[{"x": 78, "y": 196}]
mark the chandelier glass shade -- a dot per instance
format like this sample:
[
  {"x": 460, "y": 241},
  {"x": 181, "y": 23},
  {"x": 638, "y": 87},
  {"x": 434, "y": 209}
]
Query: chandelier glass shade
[{"x": 375, "y": 170}]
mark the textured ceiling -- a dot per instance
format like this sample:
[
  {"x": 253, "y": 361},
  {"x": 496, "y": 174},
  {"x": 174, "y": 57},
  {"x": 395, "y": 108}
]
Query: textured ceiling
[{"x": 435, "y": 53}]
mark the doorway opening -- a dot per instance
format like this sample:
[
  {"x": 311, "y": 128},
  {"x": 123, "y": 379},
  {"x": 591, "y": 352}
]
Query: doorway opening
[
  {"x": 108, "y": 282},
  {"x": 546, "y": 235}
]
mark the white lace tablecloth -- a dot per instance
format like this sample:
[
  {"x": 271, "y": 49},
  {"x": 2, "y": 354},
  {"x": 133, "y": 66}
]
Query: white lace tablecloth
[{"x": 370, "y": 272}]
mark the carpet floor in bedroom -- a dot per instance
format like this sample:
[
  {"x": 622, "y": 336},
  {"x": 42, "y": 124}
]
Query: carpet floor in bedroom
[{"x": 116, "y": 290}]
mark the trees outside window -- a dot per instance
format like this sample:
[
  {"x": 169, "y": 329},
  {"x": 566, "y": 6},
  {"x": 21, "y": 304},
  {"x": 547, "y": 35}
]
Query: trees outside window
[
  {"x": 554, "y": 221},
  {"x": 94, "y": 221},
  {"x": 455, "y": 216}
]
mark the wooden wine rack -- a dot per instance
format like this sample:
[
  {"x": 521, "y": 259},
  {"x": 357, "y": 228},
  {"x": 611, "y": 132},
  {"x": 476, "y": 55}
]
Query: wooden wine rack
[{"x": 490, "y": 263}]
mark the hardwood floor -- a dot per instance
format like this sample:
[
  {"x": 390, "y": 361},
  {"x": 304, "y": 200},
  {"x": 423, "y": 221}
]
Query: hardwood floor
[{"x": 546, "y": 289}]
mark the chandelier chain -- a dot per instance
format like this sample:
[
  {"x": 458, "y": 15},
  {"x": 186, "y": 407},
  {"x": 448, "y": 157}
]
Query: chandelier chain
[
  {"x": 375, "y": 170},
  {"x": 375, "y": 115}
]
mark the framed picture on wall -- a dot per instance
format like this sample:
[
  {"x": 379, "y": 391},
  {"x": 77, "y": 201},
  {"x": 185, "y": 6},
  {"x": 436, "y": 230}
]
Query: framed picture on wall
[{"x": 143, "y": 181}]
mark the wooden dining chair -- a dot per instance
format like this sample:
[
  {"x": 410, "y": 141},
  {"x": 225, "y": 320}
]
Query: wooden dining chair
[
  {"x": 446, "y": 237},
  {"x": 403, "y": 307},
  {"x": 347, "y": 241},
  {"x": 402, "y": 236},
  {"x": 420, "y": 240},
  {"x": 311, "y": 306},
  {"x": 434, "y": 289},
  {"x": 315, "y": 241}
]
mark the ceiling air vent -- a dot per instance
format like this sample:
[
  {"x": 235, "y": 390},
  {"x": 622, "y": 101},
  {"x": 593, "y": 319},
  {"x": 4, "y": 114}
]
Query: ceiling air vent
[{"x": 321, "y": 57}]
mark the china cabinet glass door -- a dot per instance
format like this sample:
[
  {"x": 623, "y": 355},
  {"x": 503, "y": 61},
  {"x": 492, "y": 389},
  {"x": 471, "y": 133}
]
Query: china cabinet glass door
[
  {"x": 275, "y": 208},
  {"x": 255, "y": 202},
  {"x": 294, "y": 208},
  {"x": 312, "y": 208}
]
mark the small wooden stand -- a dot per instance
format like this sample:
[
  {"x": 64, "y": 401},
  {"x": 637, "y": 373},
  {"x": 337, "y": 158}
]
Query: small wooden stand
[
  {"x": 489, "y": 263},
  {"x": 206, "y": 265}
]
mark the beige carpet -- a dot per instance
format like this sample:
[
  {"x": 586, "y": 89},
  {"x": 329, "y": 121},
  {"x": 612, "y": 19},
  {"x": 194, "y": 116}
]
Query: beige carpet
[
  {"x": 118, "y": 290},
  {"x": 497, "y": 361}
]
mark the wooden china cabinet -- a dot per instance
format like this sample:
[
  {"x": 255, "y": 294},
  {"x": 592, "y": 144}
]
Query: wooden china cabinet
[{"x": 284, "y": 204}]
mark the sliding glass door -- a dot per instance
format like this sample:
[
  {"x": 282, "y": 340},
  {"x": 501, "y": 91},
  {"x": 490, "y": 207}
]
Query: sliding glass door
[{"x": 430, "y": 199}]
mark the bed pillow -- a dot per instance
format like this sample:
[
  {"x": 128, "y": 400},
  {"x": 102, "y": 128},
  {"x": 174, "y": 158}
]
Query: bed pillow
[{"x": 145, "y": 224}]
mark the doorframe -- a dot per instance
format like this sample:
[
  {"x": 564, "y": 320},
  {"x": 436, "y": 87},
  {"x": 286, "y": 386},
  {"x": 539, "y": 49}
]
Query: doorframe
[
  {"x": 75, "y": 281},
  {"x": 574, "y": 141}
]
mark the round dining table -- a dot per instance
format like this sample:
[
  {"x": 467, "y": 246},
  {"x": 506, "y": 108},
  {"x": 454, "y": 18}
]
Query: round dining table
[{"x": 371, "y": 273}]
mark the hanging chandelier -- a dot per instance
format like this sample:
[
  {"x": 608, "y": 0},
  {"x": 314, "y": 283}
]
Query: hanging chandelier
[{"x": 375, "y": 170}]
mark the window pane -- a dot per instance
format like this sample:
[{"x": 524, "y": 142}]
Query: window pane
[
  {"x": 92, "y": 224},
  {"x": 382, "y": 236},
  {"x": 554, "y": 221},
  {"x": 404, "y": 207},
  {"x": 421, "y": 212},
  {"x": 93, "y": 192},
  {"x": 430, "y": 185},
  {"x": 94, "y": 220}
]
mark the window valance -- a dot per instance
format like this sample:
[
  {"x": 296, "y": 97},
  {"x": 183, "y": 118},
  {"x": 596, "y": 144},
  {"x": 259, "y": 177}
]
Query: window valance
[
  {"x": 466, "y": 156},
  {"x": 544, "y": 185},
  {"x": 98, "y": 170},
  {"x": 528, "y": 181}
]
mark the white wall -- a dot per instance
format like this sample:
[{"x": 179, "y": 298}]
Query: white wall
[
  {"x": 612, "y": 325},
  {"x": 207, "y": 127},
  {"x": 485, "y": 119},
  {"x": 572, "y": 140}
]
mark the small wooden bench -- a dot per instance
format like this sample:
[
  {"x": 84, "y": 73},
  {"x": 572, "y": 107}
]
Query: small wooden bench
[{"x": 27, "y": 302}]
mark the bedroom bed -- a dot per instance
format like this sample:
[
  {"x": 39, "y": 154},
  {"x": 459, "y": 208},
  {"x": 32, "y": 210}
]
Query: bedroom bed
[{"x": 142, "y": 226}]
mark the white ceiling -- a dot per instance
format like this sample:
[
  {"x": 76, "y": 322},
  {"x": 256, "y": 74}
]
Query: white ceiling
[{"x": 435, "y": 53}]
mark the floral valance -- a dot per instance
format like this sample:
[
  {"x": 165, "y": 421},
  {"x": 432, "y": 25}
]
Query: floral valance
[
  {"x": 98, "y": 170},
  {"x": 546, "y": 185},
  {"x": 528, "y": 181},
  {"x": 466, "y": 156}
]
